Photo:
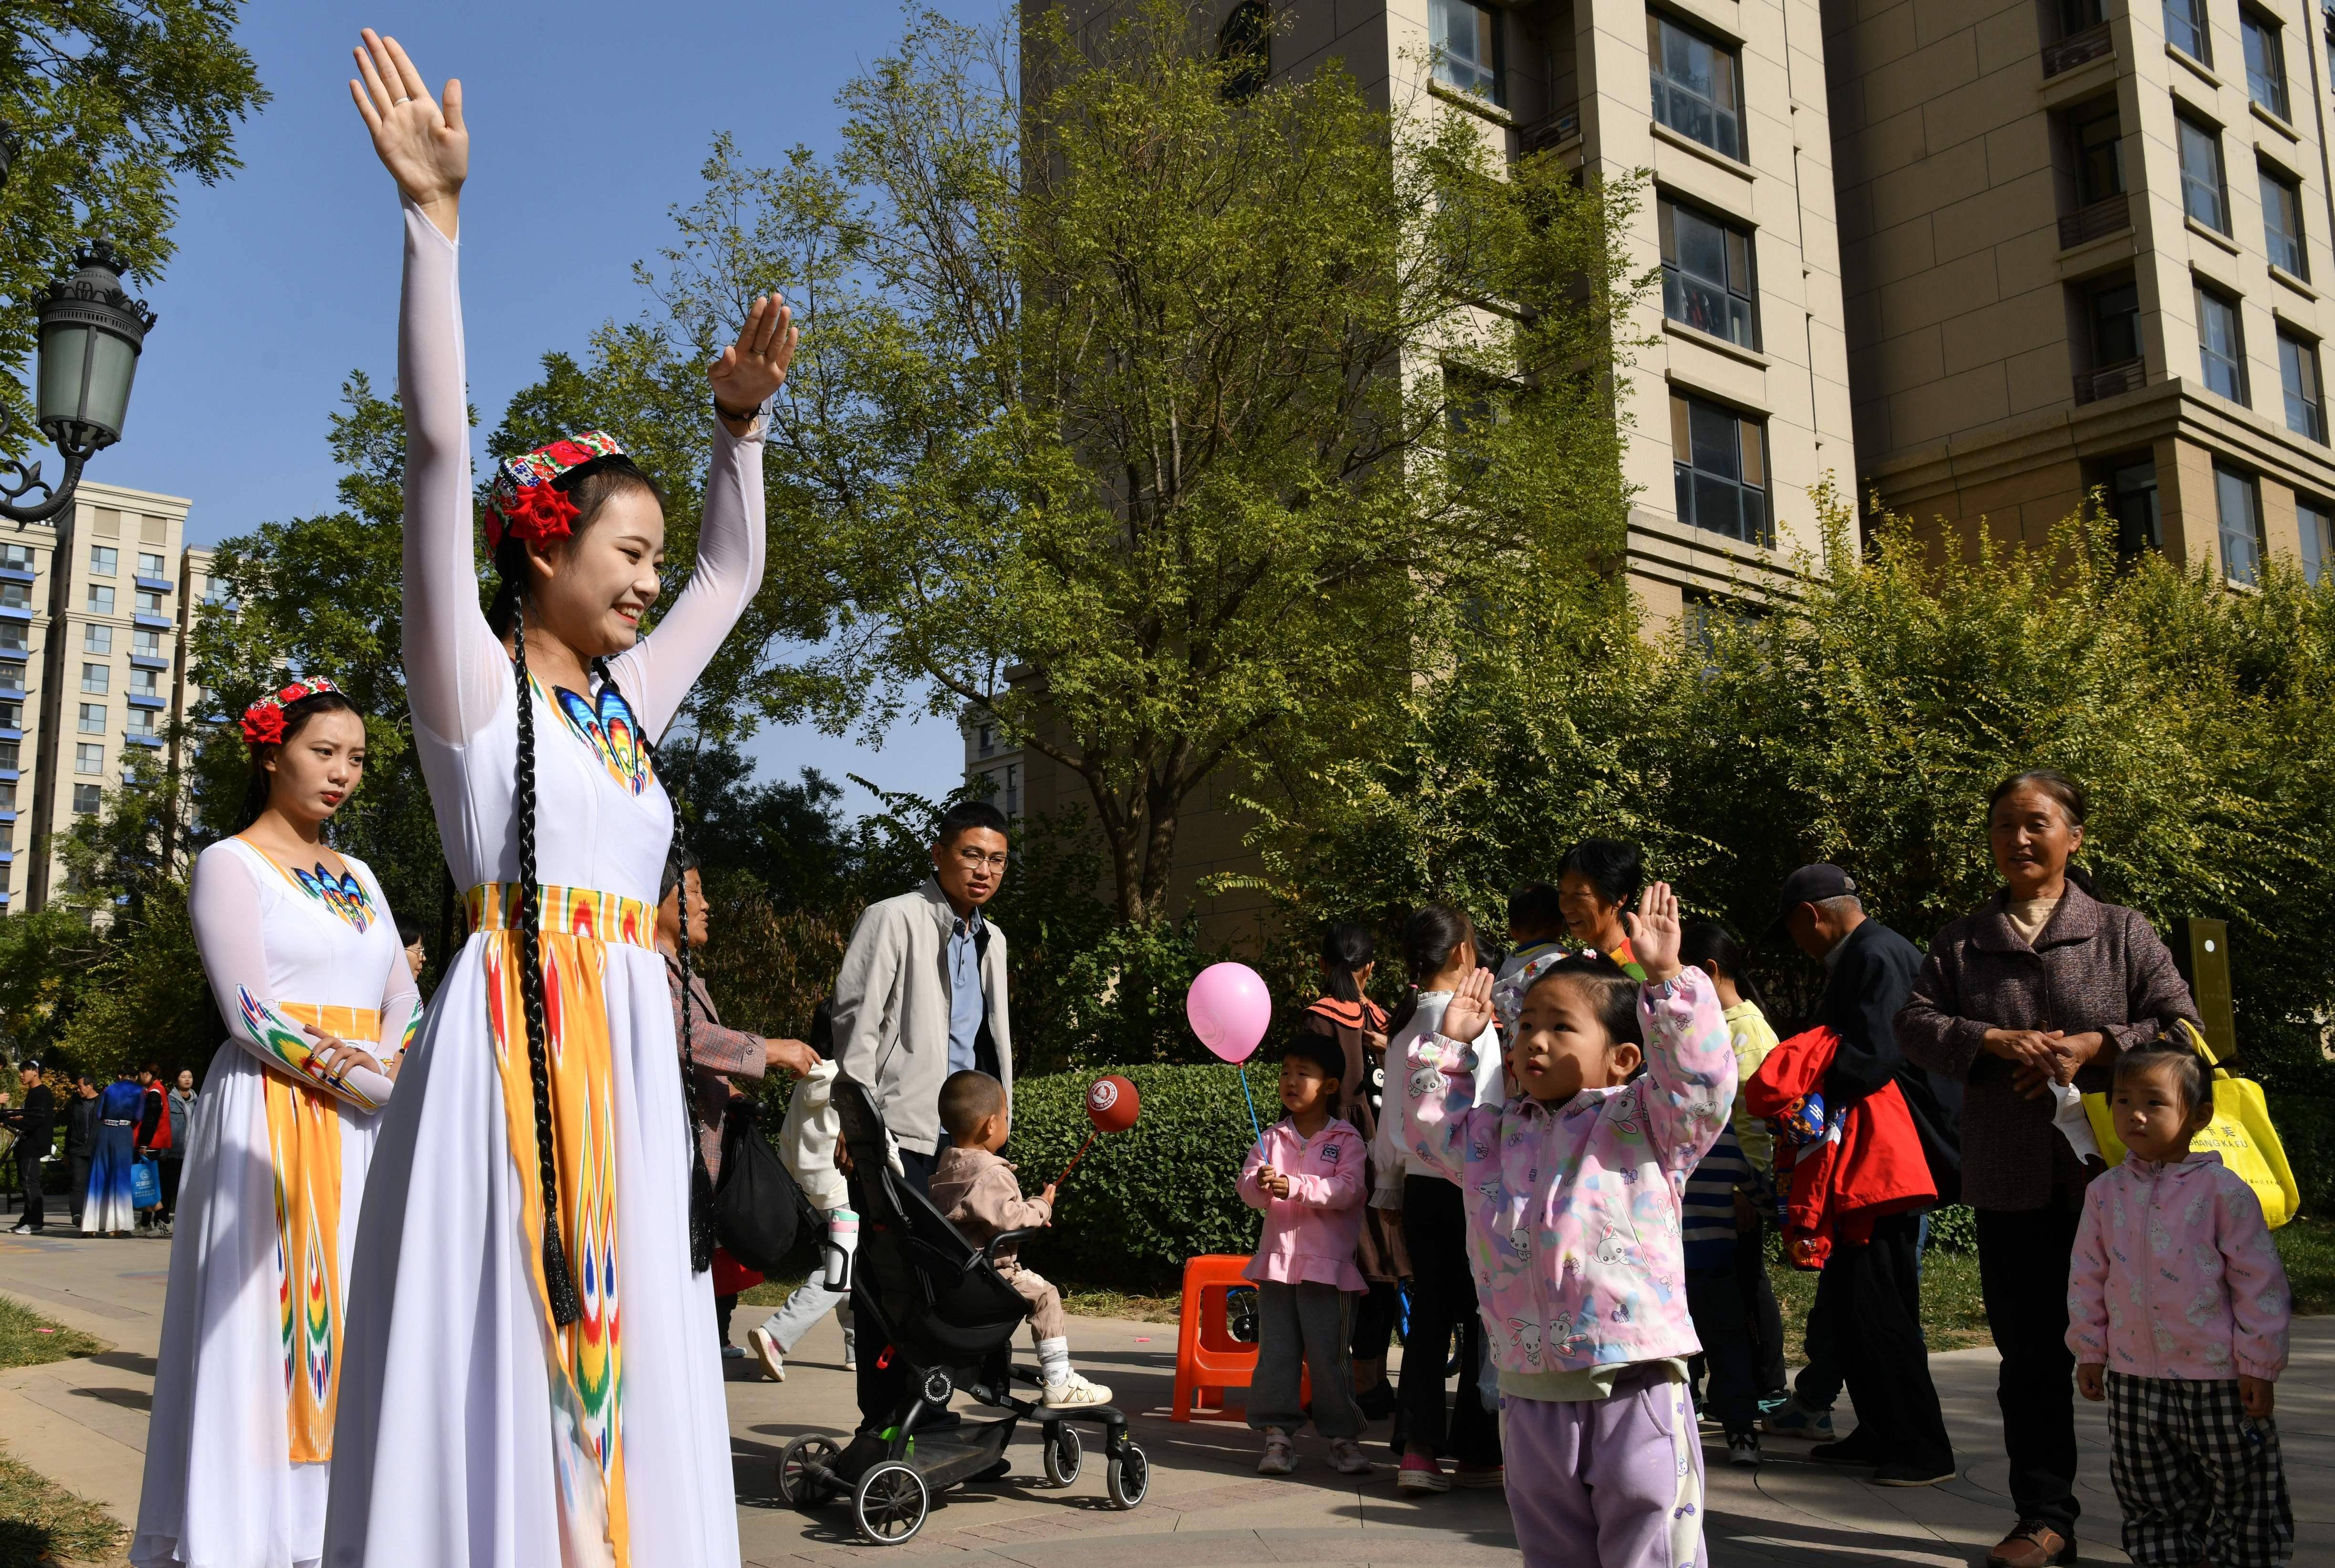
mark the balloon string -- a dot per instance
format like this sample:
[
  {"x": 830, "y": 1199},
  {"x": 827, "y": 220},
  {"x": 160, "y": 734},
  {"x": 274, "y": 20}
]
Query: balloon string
[
  {"x": 1076, "y": 1157},
  {"x": 1254, "y": 1127}
]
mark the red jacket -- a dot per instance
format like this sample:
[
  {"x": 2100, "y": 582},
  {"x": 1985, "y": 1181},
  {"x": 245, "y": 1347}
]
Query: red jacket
[{"x": 1870, "y": 1163}]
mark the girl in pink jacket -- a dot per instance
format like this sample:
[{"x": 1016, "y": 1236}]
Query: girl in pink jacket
[
  {"x": 1573, "y": 1191},
  {"x": 1306, "y": 1173},
  {"x": 2177, "y": 1313}
]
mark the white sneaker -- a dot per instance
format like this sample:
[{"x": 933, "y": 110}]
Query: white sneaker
[
  {"x": 766, "y": 1350},
  {"x": 1074, "y": 1392},
  {"x": 1346, "y": 1458}
]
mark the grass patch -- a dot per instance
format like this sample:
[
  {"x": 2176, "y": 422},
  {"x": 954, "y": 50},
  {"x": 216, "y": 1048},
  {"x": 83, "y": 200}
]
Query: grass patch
[
  {"x": 1080, "y": 1302},
  {"x": 1954, "y": 1315},
  {"x": 27, "y": 1338},
  {"x": 42, "y": 1522}
]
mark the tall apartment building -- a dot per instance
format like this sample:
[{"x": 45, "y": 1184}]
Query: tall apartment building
[
  {"x": 2087, "y": 244},
  {"x": 92, "y": 666}
]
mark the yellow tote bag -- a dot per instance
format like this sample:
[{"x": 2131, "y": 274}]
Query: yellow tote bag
[{"x": 2241, "y": 1133}]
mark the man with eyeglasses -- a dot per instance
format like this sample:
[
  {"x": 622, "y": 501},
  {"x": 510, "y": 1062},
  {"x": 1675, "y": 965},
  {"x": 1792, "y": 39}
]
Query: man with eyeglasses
[{"x": 922, "y": 995}]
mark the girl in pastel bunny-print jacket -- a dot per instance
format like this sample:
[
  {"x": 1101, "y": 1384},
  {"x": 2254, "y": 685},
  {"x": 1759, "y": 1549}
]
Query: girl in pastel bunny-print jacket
[{"x": 1573, "y": 1190}]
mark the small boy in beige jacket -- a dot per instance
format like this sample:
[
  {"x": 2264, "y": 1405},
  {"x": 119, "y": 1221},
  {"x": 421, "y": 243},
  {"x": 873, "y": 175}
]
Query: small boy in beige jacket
[{"x": 980, "y": 1195}]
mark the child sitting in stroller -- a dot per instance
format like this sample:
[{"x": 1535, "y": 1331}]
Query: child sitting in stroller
[{"x": 980, "y": 1196}]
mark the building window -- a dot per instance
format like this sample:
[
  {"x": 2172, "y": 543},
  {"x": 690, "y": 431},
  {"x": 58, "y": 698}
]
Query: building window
[
  {"x": 2113, "y": 308},
  {"x": 96, "y": 678},
  {"x": 145, "y": 642},
  {"x": 104, "y": 560},
  {"x": 92, "y": 718},
  {"x": 988, "y": 737},
  {"x": 2239, "y": 501},
  {"x": 144, "y": 682},
  {"x": 2281, "y": 201},
  {"x": 1467, "y": 42},
  {"x": 2220, "y": 345},
  {"x": 142, "y": 724},
  {"x": 100, "y": 599},
  {"x": 2316, "y": 521},
  {"x": 7, "y": 756},
  {"x": 2131, "y": 485},
  {"x": 1707, "y": 273},
  {"x": 11, "y": 715},
  {"x": 148, "y": 602},
  {"x": 2298, "y": 372},
  {"x": 1696, "y": 85},
  {"x": 16, "y": 557},
  {"x": 15, "y": 596},
  {"x": 2204, "y": 195},
  {"x": 89, "y": 758},
  {"x": 2185, "y": 29},
  {"x": 2265, "y": 62},
  {"x": 2099, "y": 136},
  {"x": 1720, "y": 460},
  {"x": 87, "y": 798},
  {"x": 7, "y": 797},
  {"x": 15, "y": 637},
  {"x": 150, "y": 565},
  {"x": 12, "y": 675}
]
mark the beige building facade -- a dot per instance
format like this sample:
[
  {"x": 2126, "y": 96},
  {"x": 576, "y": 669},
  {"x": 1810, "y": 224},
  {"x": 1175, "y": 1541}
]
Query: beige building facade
[{"x": 2087, "y": 244}]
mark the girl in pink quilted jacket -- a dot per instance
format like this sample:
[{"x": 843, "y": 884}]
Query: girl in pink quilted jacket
[
  {"x": 2177, "y": 1313},
  {"x": 1573, "y": 1190}
]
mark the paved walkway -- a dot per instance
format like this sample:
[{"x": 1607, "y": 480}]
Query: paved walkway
[{"x": 83, "y": 1424}]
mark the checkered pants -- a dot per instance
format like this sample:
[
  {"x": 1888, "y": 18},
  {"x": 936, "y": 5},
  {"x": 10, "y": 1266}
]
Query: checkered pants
[{"x": 2198, "y": 1479}]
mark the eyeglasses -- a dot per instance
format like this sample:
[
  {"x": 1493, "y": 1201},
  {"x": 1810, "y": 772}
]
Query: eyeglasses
[{"x": 973, "y": 860}]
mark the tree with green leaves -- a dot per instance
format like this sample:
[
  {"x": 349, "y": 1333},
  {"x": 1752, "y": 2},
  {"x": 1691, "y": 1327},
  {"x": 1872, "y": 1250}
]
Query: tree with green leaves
[
  {"x": 1150, "y": 412},
  {"x": 107, "y": 104}
]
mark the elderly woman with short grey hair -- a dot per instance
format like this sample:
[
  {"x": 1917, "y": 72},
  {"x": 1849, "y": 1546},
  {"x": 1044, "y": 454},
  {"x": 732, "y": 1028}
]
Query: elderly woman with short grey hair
[{"x": 2041, "y": 984}]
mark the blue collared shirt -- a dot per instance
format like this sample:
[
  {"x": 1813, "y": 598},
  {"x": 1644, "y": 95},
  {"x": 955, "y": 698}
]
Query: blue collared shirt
[{"x": 965, "y": 989}]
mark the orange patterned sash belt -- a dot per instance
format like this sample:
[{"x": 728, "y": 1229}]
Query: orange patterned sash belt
[
  {"x": 587, "y": 1357},
  {"x": 303, "y": 1143}
]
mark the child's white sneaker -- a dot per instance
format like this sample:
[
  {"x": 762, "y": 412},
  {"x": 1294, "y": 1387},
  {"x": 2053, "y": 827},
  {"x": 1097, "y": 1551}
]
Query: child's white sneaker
[
  {"x": 766, "y": 1350},
  {"x": 1347, "y": 1457},
  {"x": 1280, "y": 1454},
  {"x": 1074, "y": 1393}
]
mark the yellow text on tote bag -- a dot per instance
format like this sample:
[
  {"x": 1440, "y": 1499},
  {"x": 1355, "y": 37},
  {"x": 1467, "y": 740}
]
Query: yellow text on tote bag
[{"x": 2241, "y": 1133}]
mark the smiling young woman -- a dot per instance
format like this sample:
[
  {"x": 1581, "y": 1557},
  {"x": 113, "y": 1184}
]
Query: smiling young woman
[
  {"x": 302, "y": 957},
  {"x": 531, "y": 1379}
]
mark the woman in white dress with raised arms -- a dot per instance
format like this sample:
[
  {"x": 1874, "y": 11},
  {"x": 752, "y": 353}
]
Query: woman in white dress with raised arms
[
  {"x": 304, "y": 962},
  {"x": 531, "y": 1375}
]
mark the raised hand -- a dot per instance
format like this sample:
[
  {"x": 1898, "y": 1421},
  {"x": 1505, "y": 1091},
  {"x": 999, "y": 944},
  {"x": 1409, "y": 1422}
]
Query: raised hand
[
  {"x": 425, "y": 148},
  {"x": 748, "y": 370},
  {"x": 1654, "y": 933},
  {"x": 1470, "y": 1012}
]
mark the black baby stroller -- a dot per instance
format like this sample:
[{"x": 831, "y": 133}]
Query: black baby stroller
[{"x": 931, "y": 1299}]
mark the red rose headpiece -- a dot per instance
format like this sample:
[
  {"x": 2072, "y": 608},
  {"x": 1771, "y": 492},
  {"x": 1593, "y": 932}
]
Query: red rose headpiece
[
  {"x": 524, "y": 501},
  {"x": 262, "y": 721}
]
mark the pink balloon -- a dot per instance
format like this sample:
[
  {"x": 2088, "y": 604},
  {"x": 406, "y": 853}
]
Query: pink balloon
[{"x": 1230, "y": 1009}]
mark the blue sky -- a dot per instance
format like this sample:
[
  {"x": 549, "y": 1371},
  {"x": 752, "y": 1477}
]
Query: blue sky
[{"x": 588, "y": 120}]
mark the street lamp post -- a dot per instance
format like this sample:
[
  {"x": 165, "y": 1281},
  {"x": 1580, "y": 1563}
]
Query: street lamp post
[{"x": 90, "y": 334}]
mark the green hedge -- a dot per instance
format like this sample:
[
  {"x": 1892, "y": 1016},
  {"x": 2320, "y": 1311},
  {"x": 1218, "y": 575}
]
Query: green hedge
[
  {"x": 2306, "y": 1128},
  {"x": 1143, "y": 1200}
]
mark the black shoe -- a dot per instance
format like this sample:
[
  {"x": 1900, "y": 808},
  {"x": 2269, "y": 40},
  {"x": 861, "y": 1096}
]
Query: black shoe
[
  {"x": 1856, "y": 1448},
  {"x": 1378, "y": 1403},
  {"x": 866, "y": 1449},
  {"x": 1903, "y": 1473}
]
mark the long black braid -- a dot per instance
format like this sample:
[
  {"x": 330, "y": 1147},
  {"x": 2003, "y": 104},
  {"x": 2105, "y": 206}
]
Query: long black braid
[
  {"x": 700, "y": 1180},
  {"x": 559, "y": 1283}
]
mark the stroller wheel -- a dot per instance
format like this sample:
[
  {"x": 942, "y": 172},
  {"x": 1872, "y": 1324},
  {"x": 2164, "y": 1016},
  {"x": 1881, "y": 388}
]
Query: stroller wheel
[
  {"x": 798, "y": 1486},
  {"x": 1128, "y": 1479},
  {"x": 1063, "y": 1454},
  {"x": 890, "y": 1504}
]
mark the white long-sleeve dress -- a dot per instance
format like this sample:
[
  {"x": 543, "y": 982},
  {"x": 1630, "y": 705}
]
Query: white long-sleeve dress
[
  {"x": 472, "y": 1431},
  {"x": 239, "y": 1444}
]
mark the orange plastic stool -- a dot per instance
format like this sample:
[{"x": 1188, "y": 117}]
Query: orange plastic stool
[{"x": 1207, "y": 1357}]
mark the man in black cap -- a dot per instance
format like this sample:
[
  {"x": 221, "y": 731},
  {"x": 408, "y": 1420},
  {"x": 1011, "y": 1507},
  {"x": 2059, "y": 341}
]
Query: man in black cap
[
  {"x": 36, "y": 1130},
  {"x": 1867, "y": 1324}
]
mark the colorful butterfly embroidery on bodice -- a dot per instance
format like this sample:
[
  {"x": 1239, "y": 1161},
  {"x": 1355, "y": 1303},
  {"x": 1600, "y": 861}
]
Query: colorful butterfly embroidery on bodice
[
  {"x": 343, "y": 895},
  {"x": 610, "y": 729}
]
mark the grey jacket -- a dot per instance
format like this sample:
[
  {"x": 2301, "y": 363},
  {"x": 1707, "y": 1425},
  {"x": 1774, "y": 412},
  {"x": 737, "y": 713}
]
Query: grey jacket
[
  {"x": 892, "y": 1010},
  {"x": 2095, "y": 966}
]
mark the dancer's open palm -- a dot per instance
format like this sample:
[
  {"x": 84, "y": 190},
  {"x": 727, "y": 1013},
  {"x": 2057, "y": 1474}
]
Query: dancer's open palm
[
  {"x": 425, "y": 148},
  {"x": 1469, "y": 1011},
  {"x": 748, "y": 370}
]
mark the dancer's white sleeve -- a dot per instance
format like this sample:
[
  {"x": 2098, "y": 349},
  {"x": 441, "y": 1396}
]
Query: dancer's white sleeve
[
  {"x": 401, "y": 998},
  {"x": 458, "y": 675},
  {"x": 225, "y": 906}
]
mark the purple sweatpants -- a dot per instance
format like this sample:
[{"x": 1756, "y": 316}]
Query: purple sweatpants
[{"x": 1616, "y": 1481}]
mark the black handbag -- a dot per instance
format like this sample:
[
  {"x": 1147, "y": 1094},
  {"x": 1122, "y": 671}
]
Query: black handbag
[{"x": 758, "y": 1209}]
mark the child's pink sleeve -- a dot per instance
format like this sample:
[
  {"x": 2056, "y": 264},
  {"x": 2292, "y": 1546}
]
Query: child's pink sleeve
[
  {"x": 1435, "y": 1126},
  {"x": 1344, "y": 1185},
  {"x": 1251, "y": 1192},
  {"x": 2259, "y": 1304},
  {"x": 1688, "y": 1090},
  {"x": 2088, "y": 1283}
]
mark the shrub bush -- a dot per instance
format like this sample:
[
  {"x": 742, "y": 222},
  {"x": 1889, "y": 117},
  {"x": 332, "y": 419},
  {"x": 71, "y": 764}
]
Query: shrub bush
[
  {"x": 2306, "y": 1128},
  {"x": 1143, "y": 1200}
]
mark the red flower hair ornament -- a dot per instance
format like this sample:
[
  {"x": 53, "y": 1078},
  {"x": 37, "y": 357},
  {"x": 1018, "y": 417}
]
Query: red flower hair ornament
[
  {"x": 262, "y": 721},
  {"x": 524, "y": 502}
]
